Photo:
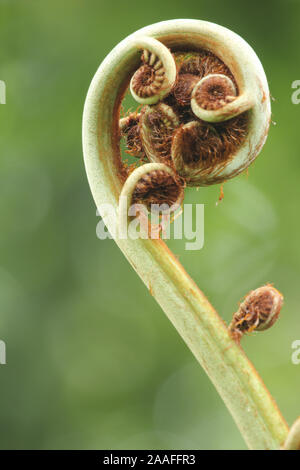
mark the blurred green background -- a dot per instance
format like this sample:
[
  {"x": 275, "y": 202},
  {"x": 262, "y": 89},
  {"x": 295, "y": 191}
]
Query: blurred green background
[{"x": 92, "y": 361}]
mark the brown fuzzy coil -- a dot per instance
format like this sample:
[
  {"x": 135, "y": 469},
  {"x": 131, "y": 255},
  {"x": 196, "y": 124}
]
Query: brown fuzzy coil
[
  {"x": 214, "y": 93},
  {"x": 149, "y": 78},
  {"x": 157, "y": 132},
  {"x": 157, "y": 187}
]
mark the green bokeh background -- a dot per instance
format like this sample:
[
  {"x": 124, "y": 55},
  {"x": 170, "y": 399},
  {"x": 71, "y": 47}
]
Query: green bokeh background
[{"x": 92, "y": 361}]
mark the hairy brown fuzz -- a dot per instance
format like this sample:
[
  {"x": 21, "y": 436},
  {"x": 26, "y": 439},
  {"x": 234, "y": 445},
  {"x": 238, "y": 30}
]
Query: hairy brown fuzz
[
  {"x": 158, "y": 187},
  {"x": 205, "y": 145},
  {"x": 184, "y": 87},
  {"x": 130, "y": 129},
  {"x": 157, "y": 127}
]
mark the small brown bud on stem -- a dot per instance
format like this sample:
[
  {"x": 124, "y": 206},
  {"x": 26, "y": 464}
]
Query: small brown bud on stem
[{"x": 259, "y": 311}]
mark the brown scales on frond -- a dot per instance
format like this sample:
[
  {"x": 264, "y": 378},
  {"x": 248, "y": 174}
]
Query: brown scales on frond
[
  {"x": 183, "y": 88},
  {"x": 212, "y": 144},
  {"x": 212, "y": 64},
  {"x": 202, "y": 63},
  {"x": 131, "y": 131},
  {"x": 199, "y": 143},
  {"x": 184, "y": 112},
  {"x": 233, "y": 133},
  {"x": 157, "y": 187}
]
